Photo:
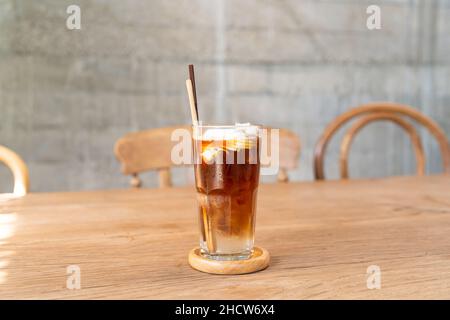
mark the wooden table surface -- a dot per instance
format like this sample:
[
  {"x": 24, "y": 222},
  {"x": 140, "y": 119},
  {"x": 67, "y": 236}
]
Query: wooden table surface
[{"x": 322, "y": 238}]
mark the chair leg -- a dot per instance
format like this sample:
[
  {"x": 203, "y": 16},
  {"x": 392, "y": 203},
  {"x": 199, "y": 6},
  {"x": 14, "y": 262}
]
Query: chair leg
[
  {"x": 135, "y": 182},
  {"x": 282, "y": 176},
  {"x": 164, "y": 178}
]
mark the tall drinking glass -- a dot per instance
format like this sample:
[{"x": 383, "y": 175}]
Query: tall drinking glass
[{"x": 227, "y": 163}]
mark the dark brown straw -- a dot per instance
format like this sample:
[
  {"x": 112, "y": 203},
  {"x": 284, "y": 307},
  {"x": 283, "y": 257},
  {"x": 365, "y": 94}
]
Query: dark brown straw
[{"x": 192, "y": 77}]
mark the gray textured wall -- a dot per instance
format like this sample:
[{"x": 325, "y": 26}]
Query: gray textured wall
[{"x": 66, "y": 96}]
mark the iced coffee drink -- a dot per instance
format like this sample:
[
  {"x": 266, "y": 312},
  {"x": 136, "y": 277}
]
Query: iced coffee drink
[{"x": 227, "y": 164}]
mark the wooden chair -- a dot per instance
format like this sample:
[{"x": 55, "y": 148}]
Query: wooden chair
[
  {"x": 19, "y": 170},
  {"x": 150, "y": 150},
  {"x": 289, "y": 153},
  {"x": 393, "y": 112},
  {"x": 147, "y": 150}
]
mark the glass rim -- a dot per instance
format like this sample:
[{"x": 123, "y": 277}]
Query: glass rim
[{"x": 225, "y": 126}]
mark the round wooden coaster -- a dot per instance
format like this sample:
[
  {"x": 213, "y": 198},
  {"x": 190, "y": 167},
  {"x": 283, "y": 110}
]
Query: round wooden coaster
[{"x": 259, "y": 260}]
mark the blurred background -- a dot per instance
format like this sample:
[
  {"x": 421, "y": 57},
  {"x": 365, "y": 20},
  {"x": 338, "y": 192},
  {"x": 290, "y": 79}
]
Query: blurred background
[{"x": 66, "y": 95}]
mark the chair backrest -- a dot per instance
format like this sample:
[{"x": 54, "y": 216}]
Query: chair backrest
[
  {"x": 147, "y": 150},
  {"x": 151, "y": 149},
  {"x": 18, "y": 168},
  {"x": 289, "y": 153},
  {"x": 393, "y": 112}
]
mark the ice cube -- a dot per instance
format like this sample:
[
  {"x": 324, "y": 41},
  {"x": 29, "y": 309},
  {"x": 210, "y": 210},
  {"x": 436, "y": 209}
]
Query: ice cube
[
  {"x": 218, "y": 201},
  {"x": 210, "y": 153},
  {"x": 224, "y": 134},
  {"x": 220, "y": 212},
  {"x": 202, "y": 200}
]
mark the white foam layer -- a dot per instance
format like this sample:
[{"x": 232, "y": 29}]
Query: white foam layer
[{"x": 238, "y": 132}]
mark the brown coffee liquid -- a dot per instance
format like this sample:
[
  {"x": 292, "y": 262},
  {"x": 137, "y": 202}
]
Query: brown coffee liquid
[{"x": 227, "y": 195}]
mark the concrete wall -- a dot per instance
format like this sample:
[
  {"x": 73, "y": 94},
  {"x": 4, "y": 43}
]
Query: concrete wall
[{"x": 66, "y": 96}]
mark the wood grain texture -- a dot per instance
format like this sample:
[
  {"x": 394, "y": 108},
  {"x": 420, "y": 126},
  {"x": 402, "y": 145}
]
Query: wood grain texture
[{"x": 322, "y": 237}]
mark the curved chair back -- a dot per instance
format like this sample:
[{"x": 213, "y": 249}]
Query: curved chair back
[
  {"x": 18, "y": 168},
  {"x": 393, "y": 112}
]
